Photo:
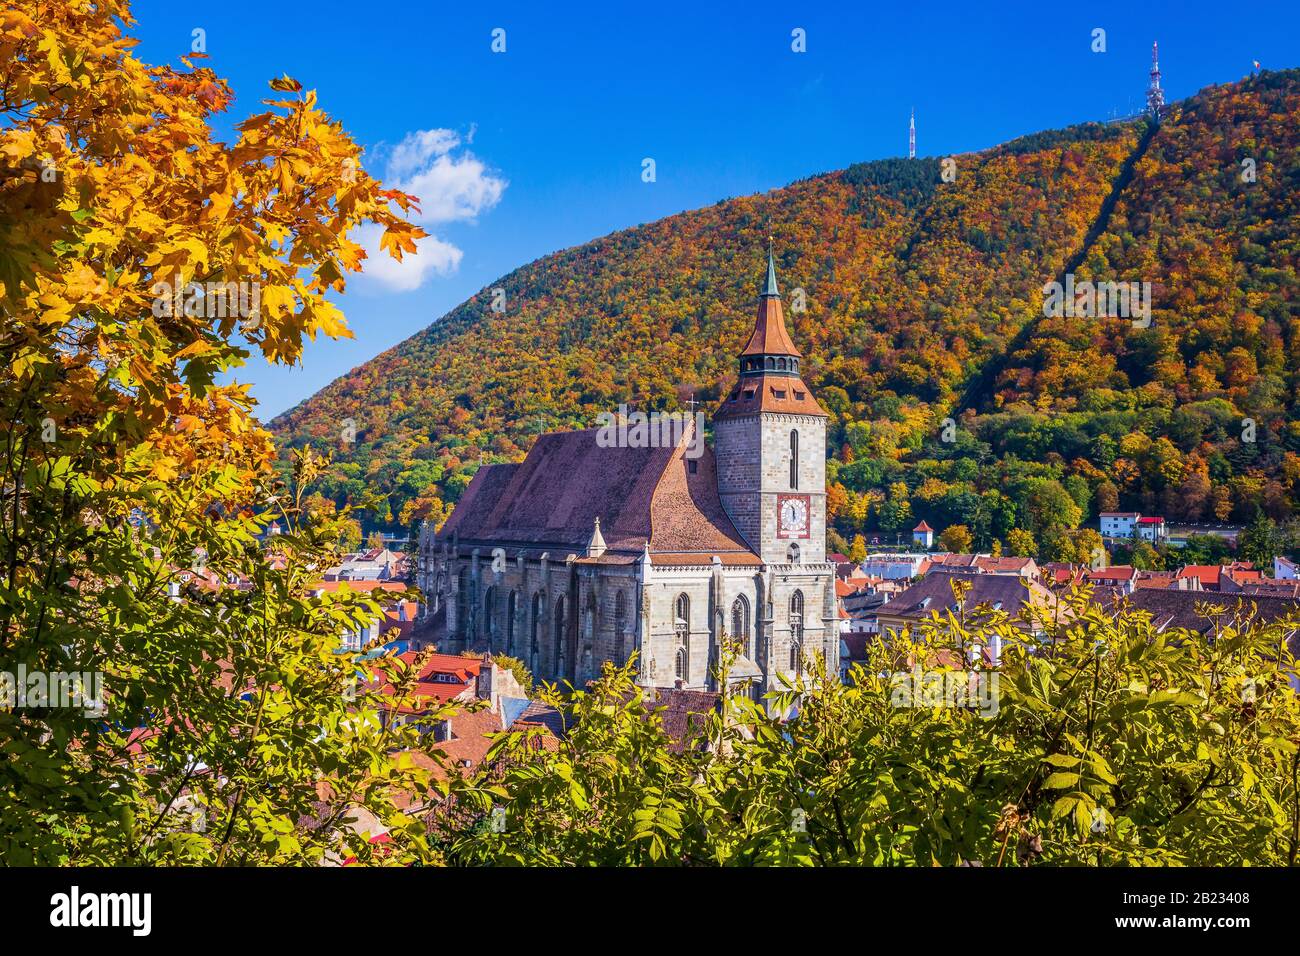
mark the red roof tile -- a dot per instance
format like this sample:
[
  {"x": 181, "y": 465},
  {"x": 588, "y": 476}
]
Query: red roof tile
[
  {"x": 782, "y": 394},
  {"x": 1207, "y": 573}
]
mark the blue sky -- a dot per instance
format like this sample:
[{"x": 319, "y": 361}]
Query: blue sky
[{"x": 541, "y": 146}]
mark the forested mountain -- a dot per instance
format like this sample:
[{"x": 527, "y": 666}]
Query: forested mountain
[{"x": 924, "y": 303}]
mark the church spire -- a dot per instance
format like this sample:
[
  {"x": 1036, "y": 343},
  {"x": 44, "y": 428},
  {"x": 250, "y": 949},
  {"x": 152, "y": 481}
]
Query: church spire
[
  {"x": 769, "y": 363},
  {"x": 769, "y": 338},
  {"x": 769, "y": 287}
]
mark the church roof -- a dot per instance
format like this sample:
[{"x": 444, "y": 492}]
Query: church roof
[
  {"x": 769, "y": 393},
  {"x": 769, "y": 336},
  {"x": 550, "y": 501}
]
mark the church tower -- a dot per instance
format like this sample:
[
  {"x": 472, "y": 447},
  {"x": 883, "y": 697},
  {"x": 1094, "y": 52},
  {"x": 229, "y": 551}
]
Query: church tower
[{"x": 770, "y": 444}]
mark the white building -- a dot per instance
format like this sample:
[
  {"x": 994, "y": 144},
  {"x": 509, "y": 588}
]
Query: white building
[
  {"x": 893, "y": 567},
  {"x": 1118, "y": 524}
]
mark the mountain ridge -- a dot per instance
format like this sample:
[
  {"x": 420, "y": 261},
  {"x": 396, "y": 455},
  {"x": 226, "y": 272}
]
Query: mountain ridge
[{"x": 923, "y": 306}]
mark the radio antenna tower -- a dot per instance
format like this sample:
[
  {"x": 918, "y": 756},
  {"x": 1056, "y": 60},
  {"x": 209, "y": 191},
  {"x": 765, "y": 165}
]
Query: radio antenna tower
[
  {"x": 911, "y": 136},
  {"x": 1155, "y": 95}
]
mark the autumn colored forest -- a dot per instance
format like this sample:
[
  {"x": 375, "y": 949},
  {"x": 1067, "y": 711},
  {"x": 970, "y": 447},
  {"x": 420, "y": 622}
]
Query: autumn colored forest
[{"x": 924, "y": 303}]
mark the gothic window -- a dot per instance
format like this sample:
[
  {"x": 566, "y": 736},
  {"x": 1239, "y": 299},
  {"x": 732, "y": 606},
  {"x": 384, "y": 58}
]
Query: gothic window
[
  {"x": 511, "y": 604},
  {"x": 589, "y": 624},
  {"x": 539, "y": 626},
  {"x": 794, "y": 459},
  {"x": 792, "y": 554},
  {"x": 462, "y": 602},
  {"x": 620, "y": 625},
  {"x": 682, "y": 628},
  {"x": 740, "y": 624},
  {"x": 796, "y": 630},
  {"x": 489, "y": 615},
  {"x": 558, "y": 658}
]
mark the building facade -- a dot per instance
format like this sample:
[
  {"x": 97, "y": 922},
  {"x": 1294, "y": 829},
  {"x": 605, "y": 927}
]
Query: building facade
[{"x": 679, "y": 553}]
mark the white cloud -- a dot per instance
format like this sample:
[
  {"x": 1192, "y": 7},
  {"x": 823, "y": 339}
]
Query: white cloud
[
  {"x": 433, "y": 257},
  {"x": 452, "y": 184}
]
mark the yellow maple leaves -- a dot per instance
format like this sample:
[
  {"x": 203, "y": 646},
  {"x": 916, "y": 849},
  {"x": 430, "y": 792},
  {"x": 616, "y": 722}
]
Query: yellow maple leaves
[{"x": 125, "y": 207}]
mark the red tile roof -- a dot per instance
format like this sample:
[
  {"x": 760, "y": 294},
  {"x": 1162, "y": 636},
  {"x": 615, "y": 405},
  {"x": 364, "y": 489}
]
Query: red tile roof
[
  {"x": 1005, "y": 565},
  {"x": 462, "y": 670},
  {"x": 923, "y": 527},
  {"x": 1117, "y": 572},
  {"x": 778, "y": 393},
  {"x": 359, "y": 586},
  {"x": 1207, "y": 573}
]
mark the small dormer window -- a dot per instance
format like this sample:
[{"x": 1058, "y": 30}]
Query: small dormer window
[
  {"x": 800, "y": 396},
  {"x": 779, "y": 392}
]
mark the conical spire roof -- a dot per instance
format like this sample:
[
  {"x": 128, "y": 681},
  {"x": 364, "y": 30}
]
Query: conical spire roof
[
  {"x": 769, "y": 286},
  {"x": 770, "y": 336},
  {"x": 596, "y": 546}
]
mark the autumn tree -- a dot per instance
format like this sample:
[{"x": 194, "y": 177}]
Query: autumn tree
[
  {"x": 1128, "y": 744},
  {"x": 956, "y": 538},
  {"x": 1021, "y": 543},
  {"x": 143, "y": 258}
]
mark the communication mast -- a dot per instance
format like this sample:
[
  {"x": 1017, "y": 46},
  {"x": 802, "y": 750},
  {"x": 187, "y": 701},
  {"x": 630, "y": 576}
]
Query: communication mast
[
  {"x": 911, "y": 136},
  {"x": 1155, "y": 95}
]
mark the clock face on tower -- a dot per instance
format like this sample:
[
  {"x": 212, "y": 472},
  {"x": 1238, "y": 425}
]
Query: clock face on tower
[{"x": 792, "y": 516}]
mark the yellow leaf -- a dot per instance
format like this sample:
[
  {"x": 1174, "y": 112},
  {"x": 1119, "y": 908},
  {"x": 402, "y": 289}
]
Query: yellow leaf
[{"x": 277, "y": 299}]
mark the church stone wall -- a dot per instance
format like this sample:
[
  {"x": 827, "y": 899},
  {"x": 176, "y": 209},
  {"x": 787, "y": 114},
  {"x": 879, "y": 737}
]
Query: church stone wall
[{"x": 479, "y": 618}]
